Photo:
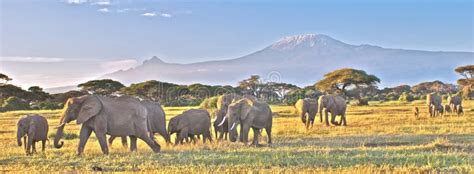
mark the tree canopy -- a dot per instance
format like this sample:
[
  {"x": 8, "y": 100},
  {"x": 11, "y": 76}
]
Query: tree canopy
[
  {"x": 101, "y": 87},
  {"x": 5, "y": 79},
  {"x": 468, "y": 73},
  {"x": 340, "y": 80}
]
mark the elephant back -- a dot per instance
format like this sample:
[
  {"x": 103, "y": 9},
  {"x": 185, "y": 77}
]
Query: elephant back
[{"x": 41, "y": 125}]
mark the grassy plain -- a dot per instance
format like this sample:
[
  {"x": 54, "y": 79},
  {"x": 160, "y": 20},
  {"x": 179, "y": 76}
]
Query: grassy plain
[{"x": 383, "y": 137}]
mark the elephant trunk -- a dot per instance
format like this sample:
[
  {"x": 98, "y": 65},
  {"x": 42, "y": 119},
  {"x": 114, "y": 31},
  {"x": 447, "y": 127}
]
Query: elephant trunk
[
  {"x": 303, "y": 117},
  {"x": 215, "y": 131},
  {"x": 18, "y": 136},
  {"x": 58, "y": 137}
]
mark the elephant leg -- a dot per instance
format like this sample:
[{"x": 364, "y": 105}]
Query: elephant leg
[
  {"x": 43, "y": 143},
  {"x": 320, "y": 118},
  {"x": 83, "y": 137},
  {"x": 333, "y": 119},
  {"x": 326, "y": 117},
  {"x": 164, "y": 133},
  {"x": 256, "y": 133},
  {"x": 103, "y": 142},
  {"x": 133, "y": 143},
  {"x": 25, "y": 142},
  {"x": 245, "y": 133},
  {"x": 221, "y": 134},
  {"x": 111, "y": 140},
  {"x": 343, "y": 119},
  {"x": 181, "y": 136},
  {"x": 268, "y": 129},
  {"x": 33, "y": 146},
  {"x": 153, "y": 145},
  {"x": 225, "y": 135},
  {"x": 241, "y": 136},
  {"x": 29, "y": 144},
  {"x": 124, "y": 141}
]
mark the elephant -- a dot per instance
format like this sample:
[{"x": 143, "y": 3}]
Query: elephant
[
  {"x": 434, "y": 104},
  {"x": 223, "y": 103},
  {"x": 156, "y": 121},
  {"x": 32, "y": 128},
  {"x": 334, "y": 104},
  {"x": 447, "y": 109},
  {"x": 308, "y": 109},
  {"x": 118, "y": 116},
  {"x": 454, "y": 101},
  {"x": 190, "y": 123},
  {"x": 249, "y": 114}
]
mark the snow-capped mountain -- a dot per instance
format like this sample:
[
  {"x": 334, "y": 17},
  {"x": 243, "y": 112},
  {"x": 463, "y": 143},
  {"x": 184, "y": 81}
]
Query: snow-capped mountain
[{"x": 303, "y": 60}]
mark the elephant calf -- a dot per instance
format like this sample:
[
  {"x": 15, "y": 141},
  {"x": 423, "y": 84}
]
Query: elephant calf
[
  {"x": 190, "y": 123},
  {"x": 32, "y": 128}
]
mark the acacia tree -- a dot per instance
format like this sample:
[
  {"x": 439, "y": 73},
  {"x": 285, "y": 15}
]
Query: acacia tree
[
  {"x": 101, "y": 87},
  {"x": 466, "y": 83},
  {"x": 252, "y": 85},
  {"x": 339, "y": 81},
  {"x": 5, "y": 79}
]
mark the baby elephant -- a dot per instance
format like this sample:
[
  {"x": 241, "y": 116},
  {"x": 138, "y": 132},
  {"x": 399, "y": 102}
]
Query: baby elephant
[
  {"x": 190, "y": 123},
  {"x": 32, "y": 128},
  {"x": 447, "y": 109}
]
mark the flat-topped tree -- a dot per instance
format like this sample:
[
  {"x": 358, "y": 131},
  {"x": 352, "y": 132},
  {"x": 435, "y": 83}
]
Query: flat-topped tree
[
  {"x": 5, "y": 79},
  {"x": 339, "y": 81},
  {"x": 466, "y": 83},
  {"x": 101, "y": 87}
]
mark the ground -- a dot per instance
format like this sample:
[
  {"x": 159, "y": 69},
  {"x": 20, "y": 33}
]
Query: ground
[{"x": 382, "y": 137}]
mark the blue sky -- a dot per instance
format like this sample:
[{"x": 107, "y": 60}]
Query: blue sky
[{"x": 122, "y": 33}]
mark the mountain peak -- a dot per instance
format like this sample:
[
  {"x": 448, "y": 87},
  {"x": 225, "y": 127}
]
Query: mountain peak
[
  {"x": 303, "y": 40},
  {"x": 153, "y": 60}
]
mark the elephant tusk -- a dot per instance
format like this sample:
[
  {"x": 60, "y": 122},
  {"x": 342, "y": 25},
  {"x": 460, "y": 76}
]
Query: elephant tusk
[
  {"x": 232, "y": 128},
  {"x": 222, "y": 122},
  {"x": 58, "y": 126}
]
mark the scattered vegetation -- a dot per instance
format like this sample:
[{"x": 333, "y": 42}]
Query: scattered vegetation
[{"x": 379, "y": 138}]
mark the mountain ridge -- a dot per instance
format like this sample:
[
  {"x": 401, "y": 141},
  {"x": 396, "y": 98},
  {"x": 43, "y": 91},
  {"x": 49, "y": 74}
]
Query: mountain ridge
[{"x": 315, "y": 54}]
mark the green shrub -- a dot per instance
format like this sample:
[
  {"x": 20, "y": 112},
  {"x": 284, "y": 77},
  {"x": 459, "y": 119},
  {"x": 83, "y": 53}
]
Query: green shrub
[
  {"x": 66, "y": 136},
  {"x": 15, "y": 103},
  {"x": 184, "y": 100},
  {"x": 405, "y": 97},
  {"x": 359, "y": 102},
  {"x": 50, "y": 105},
  {"x": 209, "y": 103}
]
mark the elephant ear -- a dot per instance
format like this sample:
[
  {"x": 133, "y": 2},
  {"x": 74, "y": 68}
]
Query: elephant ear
[
  {"x": 89, "y": 108},
  {"x": 245, "y": 107},
  {"x": 182, "y": 123}
]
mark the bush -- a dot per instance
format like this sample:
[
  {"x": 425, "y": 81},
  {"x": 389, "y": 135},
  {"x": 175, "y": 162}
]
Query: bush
[
  {"x": 184, "y": 100},
  {"x": 209, "y": 103},
  {"x": 66, "y": 136},
  {"x": 50, "y": 105},
  {"x": 15, "y": 103},
  {"x": 359, "y": 102},
  {"x": 405, "y": 97}
]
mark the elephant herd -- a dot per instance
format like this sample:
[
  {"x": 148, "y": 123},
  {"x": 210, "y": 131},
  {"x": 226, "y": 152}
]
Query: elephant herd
[
  {"x": 127, "y": 116},
  {"x": 308, "y": 109},
  {"x": 435, "y": 107}
]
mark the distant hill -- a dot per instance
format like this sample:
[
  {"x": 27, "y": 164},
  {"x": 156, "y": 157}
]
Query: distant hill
[
  {"x": 60, "y": 89},
  {"x": 303, "y": 60}
]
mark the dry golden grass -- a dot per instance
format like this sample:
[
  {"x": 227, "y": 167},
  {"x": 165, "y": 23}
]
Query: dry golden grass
[{"x": 378, "y": 138}]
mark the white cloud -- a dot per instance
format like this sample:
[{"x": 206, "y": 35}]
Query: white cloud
[
  {"x": 102, "y": 3},
  {"x": 166, "y": 15},
  {"x": 31, "y": 59},
  {"x": 76, "y": 1},
  {"x": 112, "y": 66},
  {"x": 149, "y": 14},
  {"x": 123, "y": 10},
  {"x": 105, "y": 10}
]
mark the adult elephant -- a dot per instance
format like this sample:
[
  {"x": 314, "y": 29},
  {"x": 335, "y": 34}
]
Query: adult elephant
[
  {"x": 308, "y": 108},
  {"x": 223, "y": 103},
  {"x": 434, "y": 104},
  {"x": 334, "y": 104},
  {"x": 121, "y": 116},
  {"x": 156, "y": 122},
  {"x": 249, "y": 114},
  {"x": 454, "y": 102}
]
